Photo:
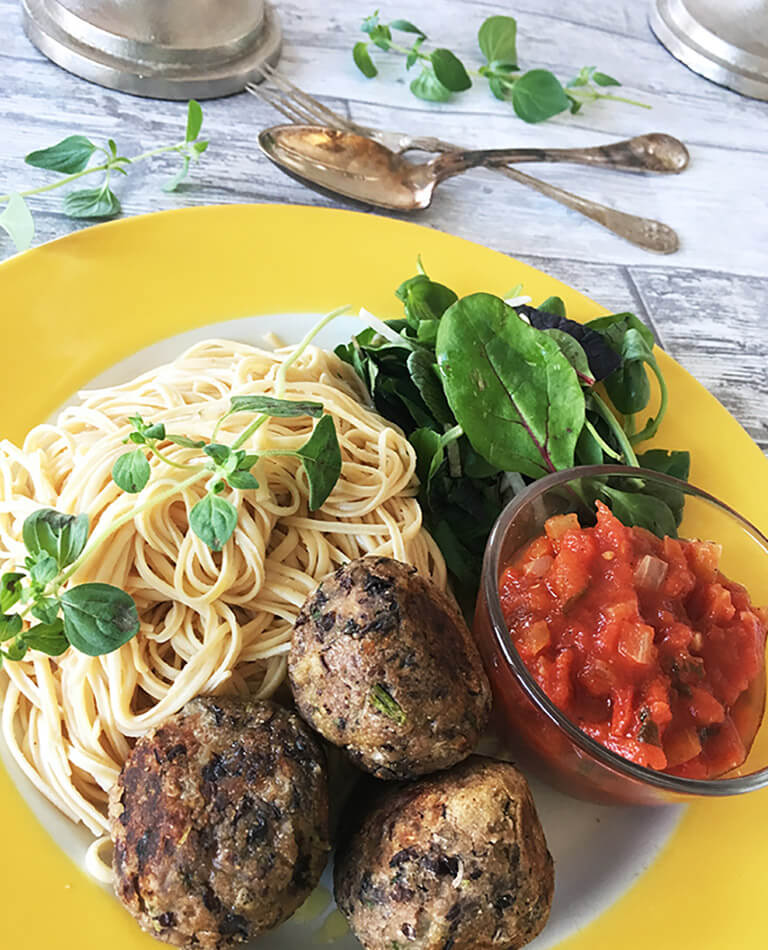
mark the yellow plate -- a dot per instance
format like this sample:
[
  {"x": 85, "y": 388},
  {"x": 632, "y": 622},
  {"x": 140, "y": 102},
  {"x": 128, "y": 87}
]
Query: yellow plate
[{"x": 78, "y": 305}]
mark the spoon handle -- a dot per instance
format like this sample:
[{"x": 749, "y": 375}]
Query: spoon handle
[
  {"x": 644, "y": 232},
  {"x": 655, "y": 152}
]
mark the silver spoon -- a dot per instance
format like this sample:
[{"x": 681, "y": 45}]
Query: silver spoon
[{"x": 357, "y": 167}]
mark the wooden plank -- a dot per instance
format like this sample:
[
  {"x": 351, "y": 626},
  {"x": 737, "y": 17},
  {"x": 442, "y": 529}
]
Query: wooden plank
[{"x": 715, "y": 325}]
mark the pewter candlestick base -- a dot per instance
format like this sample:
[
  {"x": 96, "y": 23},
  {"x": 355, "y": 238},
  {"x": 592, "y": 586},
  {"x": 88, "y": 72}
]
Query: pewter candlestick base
[
  {"x": 165, "y": 49},
  {"x": 724, "y": 40}
]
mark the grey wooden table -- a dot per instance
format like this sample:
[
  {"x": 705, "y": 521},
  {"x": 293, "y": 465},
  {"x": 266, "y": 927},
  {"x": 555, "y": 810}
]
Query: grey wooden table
[{"x": 708, "y": 303}]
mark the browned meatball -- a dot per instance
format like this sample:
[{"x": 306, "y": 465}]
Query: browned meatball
[
  {"x": 455, "y": 861},
  {"x": 220, "y": 822},
  {"x": 383, "y": 665}
]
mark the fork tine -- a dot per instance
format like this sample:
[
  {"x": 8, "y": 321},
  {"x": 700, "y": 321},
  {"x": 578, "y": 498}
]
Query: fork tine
[
  {"x": 280, "y": 104},
  {"x": 320, "y": 112}
]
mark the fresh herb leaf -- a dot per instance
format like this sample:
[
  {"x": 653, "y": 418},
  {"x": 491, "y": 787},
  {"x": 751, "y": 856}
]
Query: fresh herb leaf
[
  {"x": 47, "y": 637},
  {"x": 221, "y": 455},
  {"x": 321, "y": 458},
  {"x": 213, "y": 519},
  {"x": 601, "y": 79},
  {"x": 643, "y": 510},
  {"x": 381, "y": 36},
  {"x": 497, "y": 38},
  {"x": 184, "y": 441},
  {"x": 405, "y": 26},
  {"x": 17, "y": 222},
  {"x": 449, "y": 70},
  {"x": 271, "y": 406},
  {"x": 70, "y": 155},
  {"x": 98, "y": 618},
  {"x": 538, "y": 95},
  {"x": 92, "y": 203},
  {"x": 194, "y": 120},
  {"x": 46, "y": 609},
  {"x": 131, "y": 472},
  {"x": 553, "y": 305},
  {"x": 243, "y": 481},
  {"x": 363, "y": 60},
  {"x": 427, "y": 86},
  {"x": 10, "y": 625},
  {"x": 575, "y": 355},
  {"x": 10, "y": 590},
  {"x": 424, "y": 299},
  {"x": 532, "y": 406},
  {"x": 424, "y": 373},
  {"x": 383, "y": 700},
  {"x": 62, "y": 537},
  {"x": 414, "y": 53}
]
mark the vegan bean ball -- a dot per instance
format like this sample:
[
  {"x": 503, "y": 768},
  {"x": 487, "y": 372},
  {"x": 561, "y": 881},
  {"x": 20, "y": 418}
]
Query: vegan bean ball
[
  {"x": 383, "y": 665},
  {"x": 454, "y": 861},
  {"x": 220, "y": 822}
]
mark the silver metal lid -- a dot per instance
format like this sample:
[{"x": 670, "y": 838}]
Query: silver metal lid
[
  {"x": 166, "y": 49},
  {"x": 725, "y": 41}
]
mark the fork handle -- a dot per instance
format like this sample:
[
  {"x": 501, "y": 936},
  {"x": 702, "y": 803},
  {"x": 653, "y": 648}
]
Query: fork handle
[
  {"x": 654, "y": 152},
  {"x": 644, "y": 232}
]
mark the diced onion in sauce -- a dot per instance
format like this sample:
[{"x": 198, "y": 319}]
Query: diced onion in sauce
[
  {"x": 539, "y": 566},
  {"x": 535, "y": 637},
  {"x": 636, "y": 642},
  {"x": 650, "y": 572},
  {"x": 559, "y": 524}
]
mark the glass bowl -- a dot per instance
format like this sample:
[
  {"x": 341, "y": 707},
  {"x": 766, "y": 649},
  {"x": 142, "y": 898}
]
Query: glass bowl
[{"x": 540, "y": 735}]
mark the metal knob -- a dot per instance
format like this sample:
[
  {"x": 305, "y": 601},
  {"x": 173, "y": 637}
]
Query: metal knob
[{"x": 167, "y": 49}]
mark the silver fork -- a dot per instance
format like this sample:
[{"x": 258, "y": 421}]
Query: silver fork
[{"x": 301, "y": 108}]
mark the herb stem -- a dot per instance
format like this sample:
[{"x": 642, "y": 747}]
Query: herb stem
[
  {"x": 611, "y": 453},
  {"x": 257, "y": 423},
  {"x": 58, "y": 184},
  {"x": 621, "y": 436},
  {"x": 287, "y": 363},
  {"x": 97, "y": 540},
  {"x": 169, "y": 461}
]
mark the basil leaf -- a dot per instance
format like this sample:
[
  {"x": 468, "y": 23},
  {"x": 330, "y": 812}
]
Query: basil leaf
[
  {"x": 10, "y": 625},
  {"x": 601, "y": 79},
  {"x": 643, "y": 510},
  {"x": 70, "y": 155},
  {"x": 46, "y": 609},
  {"x": 427, "y": 86},
  {"x": 532, "y": 407},
  {"x": 131, "y": 471},
  {"x": 321, "y": 458},
  {"x": 383, "y": 700},
  {"x": 405, "y": 26},
  {"x": 10, "y": 590},
  {"x": 271, "y": 406},
  {"x": 538, "y": 95},
  {"x": 194, "y": 120},
  {"x": 16, "y": 221},
  {"x": 450, "y": 70},
  {"x": 47, "y": 638},
  {"x": 184, "y": 441},
  {"x": 61, "y": 537},
  {"x": 424, "y": 374},
  {"x": 213, "y": 519},
  {"x": 243, "y": 481},
  {"x": 98, "y": 618},
  {"x": 179, "y": 177},
  {"x": 92, "y": 203},
  {"x": 497, "y": 38}
]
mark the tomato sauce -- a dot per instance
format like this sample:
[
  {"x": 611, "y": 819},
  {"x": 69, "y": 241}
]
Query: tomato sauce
[{"x": 640, "y": 641}]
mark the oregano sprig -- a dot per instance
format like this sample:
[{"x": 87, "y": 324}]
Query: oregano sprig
[
  {"x": 535, "y": 95},
  {"x": 77, "y": 156}
]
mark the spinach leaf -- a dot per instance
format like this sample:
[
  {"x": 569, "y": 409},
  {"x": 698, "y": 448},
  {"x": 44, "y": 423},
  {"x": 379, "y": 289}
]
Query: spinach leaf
[
  {"x": 512, "y": 391},
  {"x": 424, "y": 299},
  {"x": 575, "y": 355},
  {"x": 553, "y": 305},
  {"x": 603, "y": 359},
  {"x": 98, "y": 618},
  {"x": 678, "y": 465},
  {"x": 643, "y": 510},
  {"x": 424, "y": 374}
]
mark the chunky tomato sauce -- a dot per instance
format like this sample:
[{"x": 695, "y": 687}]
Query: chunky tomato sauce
[{"x": 642, "y": 642}]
